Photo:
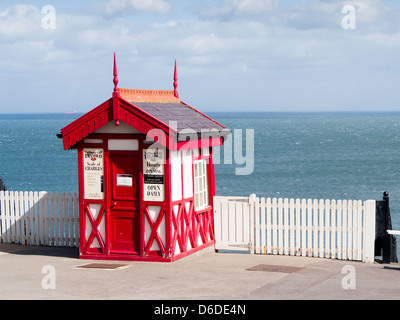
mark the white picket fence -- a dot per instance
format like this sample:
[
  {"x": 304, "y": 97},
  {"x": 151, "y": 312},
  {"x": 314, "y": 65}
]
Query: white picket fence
[
  {"x": 39, "y": 218},
  {"x": 335, "y": 229}
]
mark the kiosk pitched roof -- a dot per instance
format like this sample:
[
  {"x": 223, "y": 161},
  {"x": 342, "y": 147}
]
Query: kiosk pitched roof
[{"x": 164, "y": 106}]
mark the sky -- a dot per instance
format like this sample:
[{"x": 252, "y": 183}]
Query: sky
[{"x": 232, "y": 55}]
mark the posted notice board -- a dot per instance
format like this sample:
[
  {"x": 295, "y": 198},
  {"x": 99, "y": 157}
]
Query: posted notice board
[
  {"x": 153, "y": 175},
  {"x": 93, "y": 161}
]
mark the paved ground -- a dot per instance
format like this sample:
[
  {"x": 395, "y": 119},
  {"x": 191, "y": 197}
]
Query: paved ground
[{"x": 221, "y": 276}]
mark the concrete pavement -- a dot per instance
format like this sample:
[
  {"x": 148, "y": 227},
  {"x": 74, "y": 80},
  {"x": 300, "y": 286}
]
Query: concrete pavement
[{"x": 26, "y": 272}]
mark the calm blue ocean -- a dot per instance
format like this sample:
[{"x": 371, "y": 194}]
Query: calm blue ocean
[{"x": 296, "y": 155}]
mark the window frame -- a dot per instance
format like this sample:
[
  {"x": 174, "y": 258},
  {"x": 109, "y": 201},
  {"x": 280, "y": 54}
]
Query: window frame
[{"x": 201, "y": 181}]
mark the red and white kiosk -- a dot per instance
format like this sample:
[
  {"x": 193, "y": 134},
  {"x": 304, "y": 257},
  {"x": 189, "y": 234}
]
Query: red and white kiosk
[{"x": 146, "y": 176}]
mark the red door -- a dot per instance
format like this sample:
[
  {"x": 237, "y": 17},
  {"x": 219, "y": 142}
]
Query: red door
[{"x": 124, "y": 204}]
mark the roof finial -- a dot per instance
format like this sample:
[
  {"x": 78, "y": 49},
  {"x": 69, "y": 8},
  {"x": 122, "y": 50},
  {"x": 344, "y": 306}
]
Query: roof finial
[
  {"x": 115, "y": 75},
  {"x": 176, "y": 82}
]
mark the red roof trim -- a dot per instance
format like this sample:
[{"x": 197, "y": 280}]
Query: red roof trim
[
  {"x": 130, "y": 114},
  {"x": 82, "y": 127}
]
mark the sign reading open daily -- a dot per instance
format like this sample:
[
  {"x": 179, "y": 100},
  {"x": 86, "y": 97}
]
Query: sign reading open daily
[{"x": 153, "y": 175}]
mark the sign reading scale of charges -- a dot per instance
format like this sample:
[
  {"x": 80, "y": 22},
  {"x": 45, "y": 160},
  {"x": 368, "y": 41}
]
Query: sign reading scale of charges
[
  {"x": 153, "y": 175},
  {"x": 94, "y": 174}
]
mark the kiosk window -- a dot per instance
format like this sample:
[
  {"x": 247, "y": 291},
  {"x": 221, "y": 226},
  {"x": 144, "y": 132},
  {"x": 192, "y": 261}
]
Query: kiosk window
[{"x": 200, "y": 184}]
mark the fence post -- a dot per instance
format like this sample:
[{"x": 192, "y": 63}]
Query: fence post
[
  {"x": 252, "y": 200},
  {"x": 369, "y": 231},
  {"x": 2, "y": 216}
]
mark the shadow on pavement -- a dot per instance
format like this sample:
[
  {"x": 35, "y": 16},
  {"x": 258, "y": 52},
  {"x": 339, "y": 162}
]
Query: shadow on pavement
[{"x": 39, "y": 251}]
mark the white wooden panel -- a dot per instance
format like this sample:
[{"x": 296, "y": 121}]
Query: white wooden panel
[
  {"x": 123, "y": 144},
  {"x": 187, "y": 162},
  {"x": 176, "y": 178},
  {"x": 122, "y": 128},
  {"x": 369, "y": 231},
  {"x": 154, "y": 212}
]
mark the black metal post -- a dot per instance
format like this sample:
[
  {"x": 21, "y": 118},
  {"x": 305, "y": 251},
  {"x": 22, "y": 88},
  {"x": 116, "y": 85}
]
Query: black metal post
[{"x": 385, "y": 244}]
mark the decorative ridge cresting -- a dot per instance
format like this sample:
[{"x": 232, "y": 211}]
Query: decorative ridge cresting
[{"x": 150, "y": 96}]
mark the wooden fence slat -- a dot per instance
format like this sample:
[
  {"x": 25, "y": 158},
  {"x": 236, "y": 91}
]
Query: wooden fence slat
[
  {"x": 303, "y": 227},
  {"x": 12, "y": 217},
  {"x": 70, "y": 221},
  {"x": 263, "y": 244},
  {"x": 360, "y": 230},
  {"x": 333, "y": 230},
  {"x": 217, "y": 221},
  {"x": 321, "y": 244},
  {"x": 350, "y": 229},
  {"x": 327, "y": 221},
  {"x": 2, "y": 217},
  {"x": 20, "y": 217},
  {"x": 339, "y": 228},
  {"x": 36, "y": 201},
  {"x": 27, "y": 218},
  {"x": 8, "y": 216},
  {"x": 269, "y": 225},
  {"x": 257, "y": 223},
  {"x": 47, "y": 209},
  {"x": 76, "y": 220},
  {"x": 315, "y": 227},
  {"x": 309, "y": 228},
  {"x": 280, "y": 226},
  {"x": 286, "y": 223},
  {"x": 345, "y": 250},
  {"x": 274, "y": 230},
  {"x": 292, "y": 227},
  {"x": 298, "y": 241}
]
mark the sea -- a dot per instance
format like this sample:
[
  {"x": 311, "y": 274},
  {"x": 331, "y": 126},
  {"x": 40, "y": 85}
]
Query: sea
[{"x": 327, "y": 155}]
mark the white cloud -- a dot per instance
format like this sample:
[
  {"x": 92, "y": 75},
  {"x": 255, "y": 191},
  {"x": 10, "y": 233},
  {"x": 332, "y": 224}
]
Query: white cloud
[
  {"x": 127, "y": 7},
  {"x": 19, "y": 22},
  {"x": 231, "y": 9},
  {"x": 254, "y": 53}
]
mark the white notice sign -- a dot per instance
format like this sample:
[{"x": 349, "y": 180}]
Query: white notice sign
[
  {"x": 124, "y": 180},
  {"x": 93, "y": 173},
  {"x": 153, "y": 175}
]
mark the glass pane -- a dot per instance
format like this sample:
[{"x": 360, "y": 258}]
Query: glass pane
[{"x": 196, "y": 170}]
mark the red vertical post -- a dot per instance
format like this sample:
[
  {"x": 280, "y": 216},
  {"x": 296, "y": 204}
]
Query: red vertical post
[
  {"x": 82, "y": 220},
  {"x": 116, "y": 94},
  {"x": 176, "y": 94}
]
